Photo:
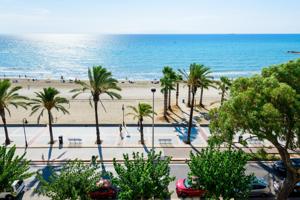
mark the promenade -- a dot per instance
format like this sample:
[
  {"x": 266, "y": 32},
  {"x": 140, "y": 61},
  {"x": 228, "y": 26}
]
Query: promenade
[{"x": 169, "y": 139}]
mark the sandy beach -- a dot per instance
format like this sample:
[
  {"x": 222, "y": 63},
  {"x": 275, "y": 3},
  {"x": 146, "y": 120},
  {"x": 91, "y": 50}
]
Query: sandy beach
[{"x": 82, "y": 113}]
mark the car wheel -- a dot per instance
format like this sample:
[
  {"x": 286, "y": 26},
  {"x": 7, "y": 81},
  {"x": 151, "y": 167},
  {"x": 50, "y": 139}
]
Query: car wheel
[
  {"x": 264, "y": 195},
  {"x": 9, "y": 197},
  {"x": 183, "y": 195}
]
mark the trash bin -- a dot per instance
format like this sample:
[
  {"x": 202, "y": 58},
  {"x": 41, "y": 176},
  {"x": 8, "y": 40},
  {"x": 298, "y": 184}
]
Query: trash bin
[
  {"x": 182, "y": 100},
  {"x": 60, "y": 140}
]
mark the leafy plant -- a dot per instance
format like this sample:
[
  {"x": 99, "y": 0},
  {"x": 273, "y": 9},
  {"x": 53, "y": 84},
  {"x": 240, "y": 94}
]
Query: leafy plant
[
  {"x": 143, "y": 178},
  {"x": 12, "y": 167},
  {"x": 220, "y": 173},
  {"x": 267, "y": 107},
  {"x": 74, "y": 181}
]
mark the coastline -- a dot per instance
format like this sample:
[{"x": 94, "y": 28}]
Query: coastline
[{"x": 132, "y": 93}]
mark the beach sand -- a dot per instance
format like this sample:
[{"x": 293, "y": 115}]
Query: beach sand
[{"x": 82, "y": 113}]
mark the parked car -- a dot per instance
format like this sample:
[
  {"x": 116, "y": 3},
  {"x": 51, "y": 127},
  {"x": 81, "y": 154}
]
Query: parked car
[
  {"x": 105, "y": 190},
  {"x": 260, "y": 188},
  {"x": 278, "y": 183},
  {"x": 17, "y": 188},
  {"x": 184, "y": 189},
  {"x": 280, "y": 167}
]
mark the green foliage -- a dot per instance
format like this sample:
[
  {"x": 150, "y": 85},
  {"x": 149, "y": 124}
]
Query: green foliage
[
  {"x": 100, "y": 82},
  {"x": 262, "y": 155},
  {"x": 12, "y": 167},
  {"x": 9, "y": 96},
  {"x": 74, "y": 181},
  {"x": 141, "y": 111},
  {"x": 220, "y": 173},
  {"x": 47, "y": 100},
  {"x": 288, "y": 73},
  {"x": 143, "y": 178},
  {"x": 268, "y": 107}
]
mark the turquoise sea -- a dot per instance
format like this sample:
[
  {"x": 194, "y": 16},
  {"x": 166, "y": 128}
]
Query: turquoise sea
[{"x": 139, "y": 57}]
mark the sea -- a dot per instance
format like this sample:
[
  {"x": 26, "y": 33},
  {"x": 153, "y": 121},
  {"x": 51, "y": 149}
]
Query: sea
[{"x": 141, "y": 57}]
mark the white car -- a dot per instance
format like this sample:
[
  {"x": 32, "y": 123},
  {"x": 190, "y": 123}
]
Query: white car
[{"x": 17, "y": 188}]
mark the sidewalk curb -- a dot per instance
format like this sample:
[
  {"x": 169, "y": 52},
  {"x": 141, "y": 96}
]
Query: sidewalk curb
[{"x": 105, "y": 125}]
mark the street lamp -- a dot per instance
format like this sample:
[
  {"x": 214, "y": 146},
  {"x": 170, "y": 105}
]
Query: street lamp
[
  {"x": 25, "y": 122},
  {"x": 123, "y": 115},
  {"x": 153, "y": 91}
]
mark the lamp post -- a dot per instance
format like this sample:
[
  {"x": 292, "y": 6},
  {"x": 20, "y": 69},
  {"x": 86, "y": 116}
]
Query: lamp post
[
  {"x": 25, "y": 122},
  {"x": 153, "y": 91},
  {"x": 123, "y": 109}
]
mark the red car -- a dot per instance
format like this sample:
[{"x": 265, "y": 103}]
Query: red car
[
  {"x": 105, "y": 191},
  {"x": 184, "y": 189}
]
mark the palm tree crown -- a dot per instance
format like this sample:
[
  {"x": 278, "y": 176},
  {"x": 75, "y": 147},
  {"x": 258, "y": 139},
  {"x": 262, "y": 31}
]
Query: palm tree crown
[
  {"x": 9, "y": 96},
  {"x": 100, "y": 82},
  {"x": 140, "y": 112},
  {"x": 47, "y": 100},
  {"x": 223, "y": 84}
]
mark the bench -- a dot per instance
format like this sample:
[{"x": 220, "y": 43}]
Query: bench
[
  {"x": 165, "y": 141},
  {"x": 75, "y": 140}
]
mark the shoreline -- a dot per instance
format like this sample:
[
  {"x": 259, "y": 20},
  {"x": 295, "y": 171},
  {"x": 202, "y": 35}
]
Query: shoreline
[{"x": 132, "y": 93}]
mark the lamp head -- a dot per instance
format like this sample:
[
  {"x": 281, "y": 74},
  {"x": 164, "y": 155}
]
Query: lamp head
[{"x": 153, "y": 90}]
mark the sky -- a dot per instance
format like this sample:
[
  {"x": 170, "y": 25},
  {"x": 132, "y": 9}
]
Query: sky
[{"x": 149, "y": 16}]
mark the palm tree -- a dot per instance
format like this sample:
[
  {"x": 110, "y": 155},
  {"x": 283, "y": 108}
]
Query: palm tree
[
  {"x": 177, "y": 81},
  {"x": 47, "y": 100},
  {"x": 171, "y": 75},
  {"x": 100, "y": 82},
  {"x": 140, "y": 112},
  {"x": 193, "y": 81},
  {"x": 205, "y": 81},
  {"x": 9, "y": 96},
  {"x": 185, "y": 80},
  {"x": 223, "y": 84},
  {"x": 166, "y": 84}
]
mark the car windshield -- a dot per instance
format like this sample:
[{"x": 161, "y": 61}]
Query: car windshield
[
  {"x": 259, "y": 181},
  {"x": 296, "y": 162},
  {"x": 186, "y": 183}
]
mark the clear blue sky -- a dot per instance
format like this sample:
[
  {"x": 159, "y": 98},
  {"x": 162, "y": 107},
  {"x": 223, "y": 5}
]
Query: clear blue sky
[{"x": 149, "y": 16}]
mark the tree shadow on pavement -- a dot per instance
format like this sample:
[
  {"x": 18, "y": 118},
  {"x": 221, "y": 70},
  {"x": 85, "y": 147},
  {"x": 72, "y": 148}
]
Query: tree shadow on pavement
[
  {"x": 146, "y": 149},
  {"x": 194, "y": 148},
  {"x": 49, "y": 153},
  {"x": 101, "y": 157},
  {"x": 45, "y": 172},
  {"x": 267, "y": 168},
  {"x": 183, "y": 132}
]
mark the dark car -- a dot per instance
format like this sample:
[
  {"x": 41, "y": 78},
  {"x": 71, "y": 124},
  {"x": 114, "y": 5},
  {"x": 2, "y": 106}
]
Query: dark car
[
  {"x": 260, "y": 188},
  {"x": 104, "y": 191},
  {"x": 184, "y": 189},
  {"x": 280, "y": 167}
]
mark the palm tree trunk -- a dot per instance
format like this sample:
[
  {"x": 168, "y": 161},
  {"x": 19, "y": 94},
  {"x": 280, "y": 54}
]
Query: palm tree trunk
[
  {"x": 50, "y": 127},
  {"x": 191, "y": 118},
  {"x": 142, "y": 131},
  {"x": 7, "y": 140},
  {"x": 177, "y": 93},
  {"x": 222, "y": 97},
  {"x": 169, "y": 102},
  {"x": 98, "y": 141},
  {"x": 201, "y": 96},
  {"x": 165, "y": 102},
  {"x": 189, "y": 97}
]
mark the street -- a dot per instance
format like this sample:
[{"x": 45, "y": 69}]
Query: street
[{"x": 260, "y": 169}]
